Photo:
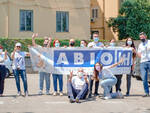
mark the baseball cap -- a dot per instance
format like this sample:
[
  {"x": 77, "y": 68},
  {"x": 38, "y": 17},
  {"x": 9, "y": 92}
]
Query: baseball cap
[{"x": 18, "y": 44}]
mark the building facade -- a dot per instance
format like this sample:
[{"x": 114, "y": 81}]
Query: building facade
[
  {"x": 101, "y": 11},
  {"x": 62, "y": 19}
]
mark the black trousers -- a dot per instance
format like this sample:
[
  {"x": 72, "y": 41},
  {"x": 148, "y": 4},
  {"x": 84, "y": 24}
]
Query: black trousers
[
  {"x": 96, "y": 87},
  {"x": 2, "y": 78},
  {"x": 118, "y": 84}
]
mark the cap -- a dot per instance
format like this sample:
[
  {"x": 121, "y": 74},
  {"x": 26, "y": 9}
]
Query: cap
[{"x": 18, "y": 44}]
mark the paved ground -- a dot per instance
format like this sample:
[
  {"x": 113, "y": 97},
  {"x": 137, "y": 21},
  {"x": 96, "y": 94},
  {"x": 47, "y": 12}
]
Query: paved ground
[{"x": 34, "y": 103}]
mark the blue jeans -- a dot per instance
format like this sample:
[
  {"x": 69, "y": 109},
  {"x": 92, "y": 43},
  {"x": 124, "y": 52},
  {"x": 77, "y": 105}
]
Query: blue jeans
[
  {"x": 77, "y": 94},
  {"x": 22, "y": 73},
  {"x": 46, "y": 76},
  {"x": 144, "y": 68},
  {"x": 60, "y": 78},
  {"x": 107, "y": 84}
]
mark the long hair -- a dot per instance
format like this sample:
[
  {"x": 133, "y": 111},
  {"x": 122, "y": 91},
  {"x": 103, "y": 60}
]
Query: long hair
[
  {"x": 85, "y": 42},
  {"x": 96, "y": 73},
  {"x": 132, "y": 45}
]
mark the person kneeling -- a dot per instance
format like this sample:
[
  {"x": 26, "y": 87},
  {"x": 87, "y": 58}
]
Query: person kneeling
[
  {"x": 108, "y": 80},
  {"x": 77, "y": 86}
]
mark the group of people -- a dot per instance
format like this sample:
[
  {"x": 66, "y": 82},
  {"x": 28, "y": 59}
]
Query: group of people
[{"x": 80, "y": 86}]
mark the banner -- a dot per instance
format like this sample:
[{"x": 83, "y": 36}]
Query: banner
[{"x": 64, "y": 60}]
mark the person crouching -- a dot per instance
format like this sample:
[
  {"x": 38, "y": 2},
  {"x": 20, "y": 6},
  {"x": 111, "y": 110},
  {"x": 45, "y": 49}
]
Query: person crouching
[{"x": 77, "y": 86}]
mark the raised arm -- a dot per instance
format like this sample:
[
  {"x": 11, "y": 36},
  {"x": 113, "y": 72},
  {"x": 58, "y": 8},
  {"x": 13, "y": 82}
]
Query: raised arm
[
  {"x": 49, "y": 42},
  {"x": 114, "y": 65},
  {"x": 33, "y": 38},
  {"x": 13, "y": 53}
]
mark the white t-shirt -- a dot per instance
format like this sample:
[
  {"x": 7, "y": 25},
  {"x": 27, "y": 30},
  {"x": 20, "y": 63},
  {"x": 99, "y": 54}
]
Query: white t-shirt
[
  {"x": 19, "y": 60},
  {"x": 106, "y": 73},
  {"x": 95, "y": 45},
  {"x": 144, "y": 49},
  {"x": 78, "y": 83}
]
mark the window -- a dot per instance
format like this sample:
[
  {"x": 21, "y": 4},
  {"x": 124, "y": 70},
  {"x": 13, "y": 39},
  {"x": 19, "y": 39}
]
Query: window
[
  {"x": 62, "y": 21},
  {"x": 26, "y": 20},
  {"x": 94, "y": 13}
]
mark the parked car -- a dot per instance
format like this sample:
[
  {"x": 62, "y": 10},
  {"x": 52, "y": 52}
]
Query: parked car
[{"x": 137, "y": 73}]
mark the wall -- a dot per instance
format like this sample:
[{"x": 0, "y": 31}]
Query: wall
[
  {"x": 107, "y": 9},
  {"x": 44, "y": 18},
  {"x": 3, "y": 18}
]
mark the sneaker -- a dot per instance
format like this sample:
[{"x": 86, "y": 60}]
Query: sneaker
[
  {"x": 1, "y": 95},
  {"x": 107, "y": 97},
  {"x": 47, "y": 93},
  {"x": 40, "y": 92},
  {"x": 96, "y": 94},
  {"x": 120, "y": 95},
  {"x": 77, "y": 101},
  {"x": 55, "y": 93},
  {"x": 19, "y": 93},
  {"x": 90, "y": 96},
  {"x": 26, "y": 94},
  {"x": 127, "y": 94},
  {"x": 146, "y": 95},
  {"x": 61, "y": 94},
  {"x": 71, "y": 100}
]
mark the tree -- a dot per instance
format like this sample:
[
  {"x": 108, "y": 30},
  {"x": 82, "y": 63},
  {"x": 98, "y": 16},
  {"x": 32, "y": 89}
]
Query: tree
[{"x": 133, "y": 18}]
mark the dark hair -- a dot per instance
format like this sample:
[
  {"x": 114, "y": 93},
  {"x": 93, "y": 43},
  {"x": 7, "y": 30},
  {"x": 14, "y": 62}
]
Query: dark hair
[
  {"x": 111, "y": 40},
  {"x": 132, "y": 45},
  {"x": 85, "y": 42},
  {"x": 96, "y": 33},
  {"x": 96, "y": 73},
  {"x": 143, "y": 33}
]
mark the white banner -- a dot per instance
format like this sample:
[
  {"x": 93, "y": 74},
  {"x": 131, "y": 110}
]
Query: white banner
[{"x": 64, "y": 60}]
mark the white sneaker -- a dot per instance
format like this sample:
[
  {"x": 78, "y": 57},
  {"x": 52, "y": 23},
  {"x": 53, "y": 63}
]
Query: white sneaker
[
  {"x": 55, "y": 93},
  {"x": 26, "y": 94},
  {"x": 107, "y": 97},
  {"x": 120, "y": 95},
  {"x": 47, "y": 93},
  {"x": 40, "y": 92},
  {"x": 19, "y": 93},
  {"x": 61, "y": 94}
]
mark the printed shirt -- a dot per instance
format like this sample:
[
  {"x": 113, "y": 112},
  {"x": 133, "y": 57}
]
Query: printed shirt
[
  {"x": 19, "y": 60},
  {"x": 144, "y": 49},
  {"x": 78, "y": 83}
]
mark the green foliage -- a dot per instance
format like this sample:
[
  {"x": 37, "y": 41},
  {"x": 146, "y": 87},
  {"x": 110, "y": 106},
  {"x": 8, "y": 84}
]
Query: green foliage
[
  {"x": 9, "y": 44},
  {"x": 133, "y": 18}
]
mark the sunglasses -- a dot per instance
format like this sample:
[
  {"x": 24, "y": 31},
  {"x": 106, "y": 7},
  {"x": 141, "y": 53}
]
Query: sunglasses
[{"x": 18, "y": 47}]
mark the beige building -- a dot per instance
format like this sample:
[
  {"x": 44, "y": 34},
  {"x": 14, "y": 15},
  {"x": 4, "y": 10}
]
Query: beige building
[
  {"x": 101, "y": 11},
  {"x": 61, "y": 19}
]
